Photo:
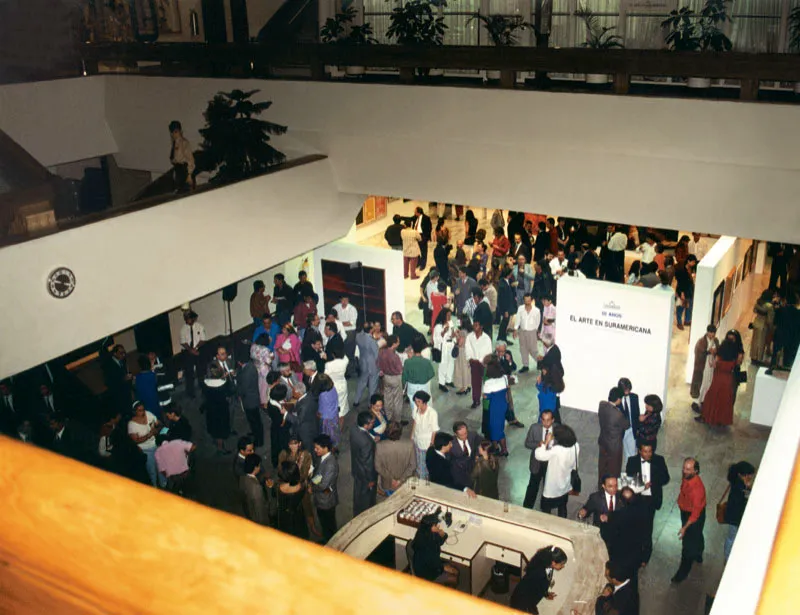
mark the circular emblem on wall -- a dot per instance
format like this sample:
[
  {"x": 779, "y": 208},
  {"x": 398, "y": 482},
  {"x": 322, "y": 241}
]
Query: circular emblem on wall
[{"x": 61, "y": 283}]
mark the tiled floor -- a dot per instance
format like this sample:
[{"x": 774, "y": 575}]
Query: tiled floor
[{"x": 681, "y": 436}]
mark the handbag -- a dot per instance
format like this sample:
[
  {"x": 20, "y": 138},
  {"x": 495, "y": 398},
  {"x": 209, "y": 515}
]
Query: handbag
[
  {"x": 454, "y": 352},
  {"x": 741, "y": 377},
  {"x": 436, "y": 355},
  {"x": 722, "y": 507},
  {"x": 575, "y": 478}
]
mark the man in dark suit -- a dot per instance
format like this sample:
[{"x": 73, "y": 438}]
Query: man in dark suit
[
  {"x": 10, "y": 408},
  {"x": 334, "y": 349},
  {"x": 506, "y": 304},
  {"x": 630, "y": 408},
  {"x": 463, "y": 453},
  {"x": 654, "y": 473},
  {"x": 254, "y": 500},
  {"x": 362, "y": 463},
  {"x": 612, "y": 429},
  {"x": 521, "y": 248},
  {"x": 116, "y": 376},
  {"x": 537, "y": 434},
  {"x": 439, "y": 466},
  {"x": 422, "y": 224},
  {"x": 542, "y": 243},
  {"x": 602, "y": 503},
  {"x": 324, "y": 489},
  {"x": 303, "y": 419},
  {"x": 482, "y": 313},
  {"x": 620, "y": 595},
  {"x": 247, "y": 388},
  {"x": 71, "y": 439},
  {"x": 589, "y": 263}
]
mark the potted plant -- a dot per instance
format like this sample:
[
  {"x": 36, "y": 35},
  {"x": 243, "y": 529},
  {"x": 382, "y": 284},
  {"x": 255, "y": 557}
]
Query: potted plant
[
  {"x": 235, "y": 143},
  {"x": 503, "y": 31},
  {"x": 691, "y": 31},
  {"x": 415, "y": 23},
  {"x": 794, "y": 37},
  {"x": 597, "y": 37},
  {"x": 359, "y": 35}
]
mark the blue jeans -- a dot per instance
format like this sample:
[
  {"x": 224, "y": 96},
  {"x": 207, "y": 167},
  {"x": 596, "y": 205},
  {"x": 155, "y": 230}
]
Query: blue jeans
[
  {"x": 156, "y": 478},
  {"x": 687, "y": 310},
  {"x": 732, "y": 531}
]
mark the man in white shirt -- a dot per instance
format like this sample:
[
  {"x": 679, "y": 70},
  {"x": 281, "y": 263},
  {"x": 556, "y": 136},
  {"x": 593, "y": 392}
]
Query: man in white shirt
[
  {"x": 558, "y": 264},
  {"x": 193, "y": 335},
  {"x": 348, "y": 314},
  {"x": 647, "y": 249},
  {"x": 423, "y": 428},
  {"x": 478, "y": 346},
  {"x": 526, "y": 328},
  {"x": 561, "y": 451}
]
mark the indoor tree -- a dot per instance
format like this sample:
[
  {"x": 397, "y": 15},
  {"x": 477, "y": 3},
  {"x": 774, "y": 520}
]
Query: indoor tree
[
  {"x": 503, "y": 30},
  {"x": 235, "y": 141},
  {"x": 703, "y": 31},
  {"x": 597, "y": 35},
  {"x": 416, "y": 23}
]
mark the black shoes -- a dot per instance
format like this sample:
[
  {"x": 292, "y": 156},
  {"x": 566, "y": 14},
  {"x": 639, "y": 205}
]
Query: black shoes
[
  {"x": 517, "y": 424},
  {"x": 695, "y": 407},
  {"x": 475, "y": 404},
  {"x": 443, "y": 389},
  {"x": 523, "y": 370}
]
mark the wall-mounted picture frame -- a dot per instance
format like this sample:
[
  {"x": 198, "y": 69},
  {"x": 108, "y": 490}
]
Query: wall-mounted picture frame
[
  {"x": 145, "y": 22},
  {"x": 716, "y": 306},
  {"x": 169, "y": 16}
]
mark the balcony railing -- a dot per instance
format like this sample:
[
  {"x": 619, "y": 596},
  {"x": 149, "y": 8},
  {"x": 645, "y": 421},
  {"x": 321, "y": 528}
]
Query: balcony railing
[{"x": 310, "y": 60}]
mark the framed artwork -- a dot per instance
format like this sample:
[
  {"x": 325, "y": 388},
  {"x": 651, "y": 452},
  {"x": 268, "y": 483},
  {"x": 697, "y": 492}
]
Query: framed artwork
[
  {"x": 716, "y": 307},
  {"x": 374, "y": 208},
  {"x": 726, "y": 301},
  {"x": 381, "y": 207},
  {"x": 145, "y": 22},
  {"x": 365, "y": 285},
  {"x": 169, "y": 16},
  {"x": 369, "y": 210}
]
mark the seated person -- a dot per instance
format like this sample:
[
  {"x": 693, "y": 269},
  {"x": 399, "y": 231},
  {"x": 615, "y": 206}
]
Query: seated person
[{"x": 427, "y": 560}]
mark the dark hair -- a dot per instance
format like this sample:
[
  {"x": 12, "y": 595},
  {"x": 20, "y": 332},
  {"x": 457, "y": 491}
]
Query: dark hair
[
  {"x": 279, "y": 276},
  {"x": 422, "y": 396},
  {"x": 728, "y": 350},
  {"x": 605, "y": 477},
  {"x": 263, "y": 340},
  {"x": 624, "y": 383},
  {"x": 175, "y": 125},
  {"x": 363, "y": 418},
  {"x": 251, "y": 462},
  {"x": 441, "y": 286},
  {"x": 617, "y": 571},
  {"x": 278, "y": 392},
  {"x": 398, "y": 315},
  {"x": 493, "y": 367},
  {"x": 458, "y": 425},
  {"x": 546, "y": 411},
  {"x": 711, "y": 329},
  {"x": 394, "y": 431},
  {"x": 444, "y": 315},
  {"x": 390, "y": 340},
  {"x": 655, "y": 402},
  {"x": 374, "y": 399},
  {"x": 546, "y": 557},
  {"x": 244, "y": 442},
  {"x": 144, "y": 363},
  {"x": 273, "y": 377},
  {"x": 564, "y": 436},
  {"x": 663, "y": 277},
  {"x": 744, "y": 468},
  {"x": 332, "y": 326},
  {"x": 418, "y": 343},
  {"x": 615, "y": 393},
  {"x": 258, "y": 285},
  {"x": 289, "y": 473},
  {"x": 397, "y": 219},
  {"x": 636, "y": 268},
  {"x": 477, "y": 292},
  {"x": 323, "y": 440},
  {"x": 441, "y": 439},
  {"x": 469, "y": 215}
]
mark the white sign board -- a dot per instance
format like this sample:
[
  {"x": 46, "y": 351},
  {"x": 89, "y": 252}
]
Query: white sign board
[{"x": 607, "y": 331}]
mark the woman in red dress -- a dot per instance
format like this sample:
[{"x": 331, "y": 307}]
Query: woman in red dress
[{"x": 718, "y": 403}]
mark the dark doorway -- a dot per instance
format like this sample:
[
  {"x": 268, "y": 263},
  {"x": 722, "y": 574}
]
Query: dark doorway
[
  {"x": 154, "y": 334},
  {"x": 366, "y": 287}
]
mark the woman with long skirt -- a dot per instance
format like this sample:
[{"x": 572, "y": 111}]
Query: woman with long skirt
[
  {"x": 717, "y": 407},
  {"x": 461, "y": 374},
  {"x": 495, "y": 389}
]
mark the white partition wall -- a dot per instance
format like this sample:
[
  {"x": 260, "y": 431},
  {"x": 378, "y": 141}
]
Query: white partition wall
[{"x": 608, "y": 331}]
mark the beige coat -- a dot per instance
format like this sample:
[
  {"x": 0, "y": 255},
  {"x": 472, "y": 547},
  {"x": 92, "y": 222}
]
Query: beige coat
[
  {"x": 395, "y": 460},
  {"x": 411, "y": 239}
]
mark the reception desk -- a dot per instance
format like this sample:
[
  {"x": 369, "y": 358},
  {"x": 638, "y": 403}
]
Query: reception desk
[{"x": 482, "y": 533}]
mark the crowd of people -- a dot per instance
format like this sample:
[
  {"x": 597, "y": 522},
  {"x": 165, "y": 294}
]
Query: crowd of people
[{"x": 478, "y": 300}]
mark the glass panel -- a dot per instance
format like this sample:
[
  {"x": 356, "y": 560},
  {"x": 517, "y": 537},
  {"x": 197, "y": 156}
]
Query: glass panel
[
  {"x": 756, "y": 34},
  {"x": 510, "y": 7},
  {"x": 644, "y": 32},
  {"x": 459, "y": 32}
]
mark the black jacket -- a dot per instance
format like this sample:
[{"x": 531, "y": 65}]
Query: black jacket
[
  {"x": 659, "y": 476},
  {"x": 483, "y": 315},
  {"x": 541, "y": 246},
  {"x": 506, "y": 300},
  {"x": 737, "y": 501},
  {"x": 392, "y": 235},
  {"x": 405, "y": 333},
  {"x": 427, "y": 560},
  {"x": 426, "y": 228},
  {"x": 335, "y": 347},
  {"x": 530, "y": 591},
  {"x": 624, "y": 602},
  {"x": 588, "y": 265},
  {"x": 440, "y": 470}
]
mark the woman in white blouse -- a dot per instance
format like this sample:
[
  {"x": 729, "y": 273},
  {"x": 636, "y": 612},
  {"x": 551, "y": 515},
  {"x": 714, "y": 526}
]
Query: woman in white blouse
[
  {"x": 560, "y": 450},
  {"x": 142, "y": 429},
  {"x": 443, "y": 341},
  {"x": 336, "y": 368}
]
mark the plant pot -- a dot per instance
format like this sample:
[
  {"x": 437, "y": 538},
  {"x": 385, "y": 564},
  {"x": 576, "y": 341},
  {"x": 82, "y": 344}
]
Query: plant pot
[
  {"x": 436, "y": 72},
  {"x": 355, "y": 71},
  {"x": 493, "y": 75},
  {"x": 699, "y": 83},
  {"x": 596, "y": 79},
  {"x": 334, "y": 71},
  {"x": 797, "y": 88}
]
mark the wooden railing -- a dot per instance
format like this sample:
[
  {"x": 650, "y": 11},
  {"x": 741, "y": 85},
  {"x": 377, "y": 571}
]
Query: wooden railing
[
  {"x": 75, "y": 540},
  {"x": 260, "y": 60}
]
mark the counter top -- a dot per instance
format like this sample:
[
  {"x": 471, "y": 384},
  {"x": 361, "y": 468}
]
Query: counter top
[{"x": 520, "y": 530}]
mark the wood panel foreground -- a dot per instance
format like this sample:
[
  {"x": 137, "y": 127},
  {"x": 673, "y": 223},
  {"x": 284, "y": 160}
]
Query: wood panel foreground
[{"x": 74, "y": 539}]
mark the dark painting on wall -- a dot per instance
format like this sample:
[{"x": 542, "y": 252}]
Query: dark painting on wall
[
  {"x": 716, "y": 307},
  {"x": 366, "y": 287}
]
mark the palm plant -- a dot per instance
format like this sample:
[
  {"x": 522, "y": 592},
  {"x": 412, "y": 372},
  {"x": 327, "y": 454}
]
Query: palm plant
[
  {"x": 236, "y": 143},
  {"x": 502, "y": 29},
  {"x": 794, "y": 30},
  {"x": 691, "y": 31},
  {"x": 597, "y": 35},
  {"x": 415, "y": 23}
]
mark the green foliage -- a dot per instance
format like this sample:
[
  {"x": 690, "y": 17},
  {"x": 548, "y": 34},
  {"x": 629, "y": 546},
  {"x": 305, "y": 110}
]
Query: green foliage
[
  {"x": 416, "y": 24},
  {"x": 502, "y": 29},
  {"x": 690, "y": 31},
  {"x": 335, "y": 29},
  {"x": 236, "y": 143},
  {"x": 597, "y": 36},
  {"x": 794, "y": 29}
]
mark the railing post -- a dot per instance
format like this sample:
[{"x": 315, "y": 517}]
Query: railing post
[
  {"x": 508, "y": 79},
  {"x": 622, "y": 83},
  {"x": 749, "y": 89}
]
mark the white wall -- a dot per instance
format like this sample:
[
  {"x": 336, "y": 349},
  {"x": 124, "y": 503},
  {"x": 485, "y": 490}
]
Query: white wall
[
  {"x": 365, "y": 231},
  {"x": 742, "y": 581},
  {"x": 135, "y": 266},
  {"x": 58, "y": 121},
  {"x": 596, "y": 356},
  {"x": 391, "y": 261},
  {"x": 727, "y": 253}
]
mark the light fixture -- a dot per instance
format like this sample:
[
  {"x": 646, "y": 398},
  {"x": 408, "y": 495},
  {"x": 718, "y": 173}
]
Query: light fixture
[{"x": 194, "y": 23}]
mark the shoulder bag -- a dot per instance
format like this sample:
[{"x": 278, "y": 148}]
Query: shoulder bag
[
  {"x": 575, "y": 477},
  {"x": 722, "y": 507}
]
